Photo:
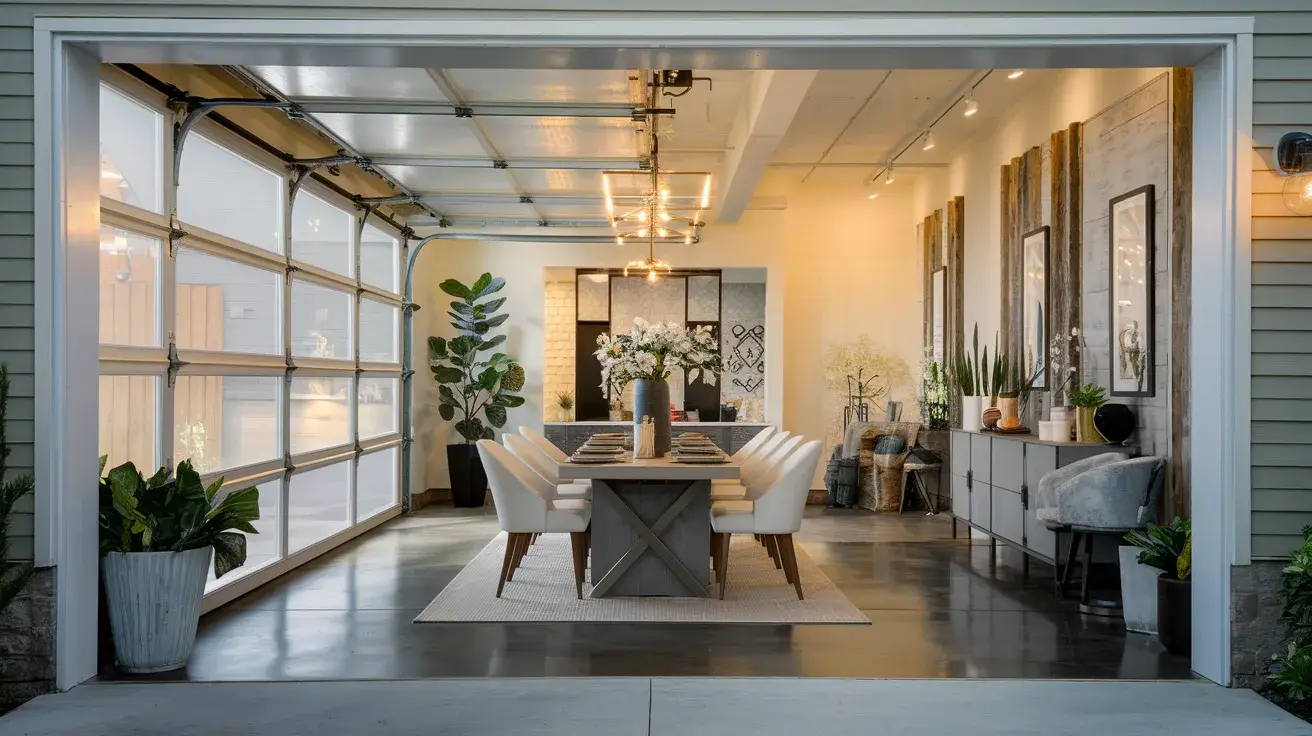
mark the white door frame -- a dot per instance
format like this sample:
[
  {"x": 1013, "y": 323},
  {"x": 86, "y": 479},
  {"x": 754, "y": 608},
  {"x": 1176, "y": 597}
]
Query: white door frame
[{"x": 67, "y": 219}]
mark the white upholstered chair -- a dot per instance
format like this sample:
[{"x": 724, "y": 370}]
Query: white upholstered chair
[
  {"x": 524, "y": 449},
  {"x": 749, "y": 463},
  {"x": 753, "y": 444},
  {"x": 775, "y": 515},
  {"x": 524, "y": 509},
  {"x": 759, "y": 475},
  {"x": 544, "y": 444}
]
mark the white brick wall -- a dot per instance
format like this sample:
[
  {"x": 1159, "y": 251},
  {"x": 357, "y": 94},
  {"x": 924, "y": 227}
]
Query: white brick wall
[{"x": 558, "y": 353}]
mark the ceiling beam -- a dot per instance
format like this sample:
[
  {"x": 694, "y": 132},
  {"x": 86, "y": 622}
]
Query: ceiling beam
[
  {"x": 356, "y": 106},
  {"x": 465, "y": 162},
  {"x": 773, "y": 99}
]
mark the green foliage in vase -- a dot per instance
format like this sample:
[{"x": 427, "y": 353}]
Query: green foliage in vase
[
  {"x": 14, "y": 576},
  {"x": 1090, "y": 395},
  {"x": 470, "y": 384},
  {"x": 1166, "y": 547},
  {"x": 173, "y": 513}
]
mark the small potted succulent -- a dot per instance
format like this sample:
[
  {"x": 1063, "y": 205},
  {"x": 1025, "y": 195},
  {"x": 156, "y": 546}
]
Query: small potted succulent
[
  {"x": 157, "y": 537},
  {"x": 1169, "y": 548},
  {"x": 564, "y": 406}
]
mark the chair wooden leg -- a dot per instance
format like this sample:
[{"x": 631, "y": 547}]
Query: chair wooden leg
[
  {"x": 715, "y": 551},
  {"x": 578, "y": 541},
  {"x": 789, "y": 554},
  {"x": 772, "y": 545},
  {"x": 722, "y": 574},
  {"x": 511, "y": 539},
  {"x": 521, "y": 546}
]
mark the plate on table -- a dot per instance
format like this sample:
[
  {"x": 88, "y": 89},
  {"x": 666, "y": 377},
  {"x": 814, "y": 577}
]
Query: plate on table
[
  {"x": 597, "y": 460},
  {"x": 685, "y": 450},
  {"x": 599, "y": 451},
  {"x": 700, "y": 459}
]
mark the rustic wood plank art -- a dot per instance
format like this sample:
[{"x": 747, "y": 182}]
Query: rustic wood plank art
[
  {"x": 1182, "y": 106},
  {"x": 954, "y": 257}
]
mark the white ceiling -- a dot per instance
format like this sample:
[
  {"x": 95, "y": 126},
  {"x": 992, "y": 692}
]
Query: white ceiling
[{"x": 846, "y": 127}]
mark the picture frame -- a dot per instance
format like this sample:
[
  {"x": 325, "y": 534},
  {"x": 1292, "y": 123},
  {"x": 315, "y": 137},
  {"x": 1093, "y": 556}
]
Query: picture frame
[
  {"x": 1036, "y": 293},
  {"x": 938, "y": 314},
  {"x": 1131, "y": 307}
]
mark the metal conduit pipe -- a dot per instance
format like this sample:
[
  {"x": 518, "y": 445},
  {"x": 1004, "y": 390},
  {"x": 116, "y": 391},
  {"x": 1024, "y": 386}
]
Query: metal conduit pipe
[{"x": 407, "y": 330}]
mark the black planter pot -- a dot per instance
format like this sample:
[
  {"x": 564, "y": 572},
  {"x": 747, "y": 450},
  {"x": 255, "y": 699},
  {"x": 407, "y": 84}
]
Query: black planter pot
[
  {"x": 468, "y": 478},
  {"x": 1174, "y": 614}
]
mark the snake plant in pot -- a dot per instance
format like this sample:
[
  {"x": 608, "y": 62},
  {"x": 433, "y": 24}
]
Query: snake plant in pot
[
  {"x": 157, "y": 537},
  {"x": 473, "y": 380}
]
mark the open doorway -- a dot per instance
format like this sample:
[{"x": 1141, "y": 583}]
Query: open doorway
[{"x": 811, "y": 258}]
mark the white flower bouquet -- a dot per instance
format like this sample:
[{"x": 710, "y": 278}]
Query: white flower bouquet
[{"x": 652, "y": 350}]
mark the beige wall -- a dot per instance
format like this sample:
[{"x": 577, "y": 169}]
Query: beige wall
[
  {"x": 837, "y": 265},
  {"x": 558, "y": 320}
]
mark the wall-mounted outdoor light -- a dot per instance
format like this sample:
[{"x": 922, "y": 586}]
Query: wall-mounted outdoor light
[{"x": 1294, "y": 159}]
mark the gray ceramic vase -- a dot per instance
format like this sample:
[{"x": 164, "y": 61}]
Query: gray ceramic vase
[
  {"x": 154, "y": 606},
  {"x": 652, "y": 398}
]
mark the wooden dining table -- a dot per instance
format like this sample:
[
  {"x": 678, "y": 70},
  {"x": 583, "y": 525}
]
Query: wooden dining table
[{"x": 651, "y": 525}]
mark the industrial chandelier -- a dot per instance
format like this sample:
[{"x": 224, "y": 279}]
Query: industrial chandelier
[{"x": 655, "y": 217}]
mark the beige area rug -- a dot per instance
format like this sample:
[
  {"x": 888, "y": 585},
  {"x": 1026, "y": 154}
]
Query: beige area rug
[{"x": 543, "y": 590}]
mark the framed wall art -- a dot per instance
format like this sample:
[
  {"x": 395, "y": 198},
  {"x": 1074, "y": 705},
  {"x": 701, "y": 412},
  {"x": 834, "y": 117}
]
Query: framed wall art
[
  {"x": 1131, "y": 313},
  {"x": 1035, "y": 289}
]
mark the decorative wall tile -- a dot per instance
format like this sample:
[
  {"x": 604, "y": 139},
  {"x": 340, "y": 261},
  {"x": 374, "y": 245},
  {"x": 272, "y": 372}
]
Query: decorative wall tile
[
  {"x": 742, "y": 341},
  {"x": 703, "y": 298},
  {"x": 594, "y": 297}
]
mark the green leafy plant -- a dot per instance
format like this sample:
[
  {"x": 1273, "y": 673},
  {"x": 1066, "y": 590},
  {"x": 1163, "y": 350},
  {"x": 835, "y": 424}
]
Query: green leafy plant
[
  {"x": 14, "y": 576},
  {"x": 935, "y": 406},
  {"x": 1293, "y": 673},
  {"x": 173, "y": 513},
  {"x": 1296, "y": 592},
  {"x": 1090, "y": 395},
  {"x": 565, "y": 400},
  {"x": 1166, "y": 547},
  {"x": 967, "y": 371},
  {"x": 468, "y": 383}
]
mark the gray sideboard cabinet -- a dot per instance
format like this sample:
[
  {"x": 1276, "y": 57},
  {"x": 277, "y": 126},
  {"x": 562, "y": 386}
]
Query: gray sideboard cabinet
[{"x": 994, "y": 479}]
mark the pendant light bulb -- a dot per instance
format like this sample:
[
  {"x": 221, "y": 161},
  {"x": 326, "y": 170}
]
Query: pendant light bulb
[
  {"x": 651, "y": 275},
  {"x": 687, "y": 240},
  {"x": 1016, "y": 74},
  {"x": 619, "y": 240},
  {"x": 972, "y": 106},
  {"x": 929, "y": 142},
  {"x": 642, "y": 216}
]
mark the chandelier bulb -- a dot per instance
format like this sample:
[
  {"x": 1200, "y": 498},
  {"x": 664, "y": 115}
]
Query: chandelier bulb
[{"x": 642, "y": 216}]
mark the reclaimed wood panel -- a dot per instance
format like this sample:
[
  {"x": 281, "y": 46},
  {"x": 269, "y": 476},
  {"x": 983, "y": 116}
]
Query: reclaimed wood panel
[
  {"x": 1075, "y": 225},
  {"x": 1007, "y": 182},
  {"x": 1059, "y": 263},
  {"x": 954, "y": 254},
  {"x": 1182, "y": 108}
]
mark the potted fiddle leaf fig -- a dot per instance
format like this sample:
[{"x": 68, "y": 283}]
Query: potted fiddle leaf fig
[
  {"x": 472, "y": 381},
  {"x": 157, "y": 537}
]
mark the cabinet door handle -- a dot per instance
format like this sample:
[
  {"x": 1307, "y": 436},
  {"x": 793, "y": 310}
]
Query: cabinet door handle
[
  {"x": 1025, "y": 496},
  {"x": 970, "y": 480}
]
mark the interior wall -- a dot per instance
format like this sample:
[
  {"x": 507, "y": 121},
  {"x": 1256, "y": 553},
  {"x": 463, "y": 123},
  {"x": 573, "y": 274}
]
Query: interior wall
[
  {"x": 1072, "y": 96},
  {"x": 837, "y": 265}
]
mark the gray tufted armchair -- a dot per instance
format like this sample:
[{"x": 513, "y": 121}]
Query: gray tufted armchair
[{"x": 1105, "y": 494}]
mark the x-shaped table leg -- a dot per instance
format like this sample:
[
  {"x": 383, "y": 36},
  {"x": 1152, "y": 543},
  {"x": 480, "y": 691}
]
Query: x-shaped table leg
[{"x": 648, "y": 537}]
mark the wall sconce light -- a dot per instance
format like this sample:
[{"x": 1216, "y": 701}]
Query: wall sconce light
[{"x": 1294, "y": 160}]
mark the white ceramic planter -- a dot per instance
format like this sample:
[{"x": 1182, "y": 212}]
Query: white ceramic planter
[
  {"x": 1138, "y": 592},
  {"x": 154, "y": 606},
  {"x": 972, "y": 407},
  {"x": 1054, "y": 431}
]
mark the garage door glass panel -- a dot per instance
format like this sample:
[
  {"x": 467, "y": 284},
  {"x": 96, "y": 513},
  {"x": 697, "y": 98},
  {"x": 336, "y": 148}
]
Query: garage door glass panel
[
  {"x": 131, "y": 151},
  {"x": 376, "y": 485},
  {"x": 262, "y": 548},
  {"x": 127, "y": 421},
  {"x": 318, "y": 505},
  {"x": 129, "y": 288},
  {"x": 378, "y": 332},
  {"x": 226, "y": 305},
  {"x": 378, "y": 407},
  {"x": 380, "y": 256},
  {"x": 321, "y": 235},
  {"x": 321, "y": 322},
  {"x": 320, "y": 411},
  {"x": 224, "y": 422},
  {"x": 225, "y": 193}
]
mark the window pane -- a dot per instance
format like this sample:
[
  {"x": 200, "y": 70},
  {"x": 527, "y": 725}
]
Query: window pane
[
  {"x": 230, "y": 195},
  {"x": 318, "y": 505},
  {"x": 320, "y": 409},
  {"x": 378, "y": 332},
  {"x": 321, "y": 235},
  {"x": 262, "y": 548},
  {"x": 127, "y": 421},
  {"x": 380, "y": 258},
  {"x": 225, "y": 305},
  {"x": 376, "y": 483},
  {"x": 378, "y": 406},
  {"x": 226, "y": 422},
  {"x": 131, "y": 152},
  {"x": 129, "y": 275},
  {"x": 321, "y": 322}
]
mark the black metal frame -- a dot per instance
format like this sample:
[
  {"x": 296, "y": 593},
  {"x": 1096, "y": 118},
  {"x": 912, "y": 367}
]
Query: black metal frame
[
  {"x": 1150, "y": 284},
  {"x": 1047, "y": 303}
]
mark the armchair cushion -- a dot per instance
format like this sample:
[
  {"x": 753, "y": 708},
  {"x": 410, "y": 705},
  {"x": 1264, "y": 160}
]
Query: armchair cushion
[
  {"x": 1045, "y": 500},
  {"x": 1117, "y": 496}
]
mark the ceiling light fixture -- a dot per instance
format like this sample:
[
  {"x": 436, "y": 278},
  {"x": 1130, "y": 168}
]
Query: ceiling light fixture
[
  {"x": 1016, "y": 74},
  {"x": 872, "y": 195},
  {"x": 972, "y": 106},
  {"x": 888, "y": 178},
  {"x": 929, "y": 142}
]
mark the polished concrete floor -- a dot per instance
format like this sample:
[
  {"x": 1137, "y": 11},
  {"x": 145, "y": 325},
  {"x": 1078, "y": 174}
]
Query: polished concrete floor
[{"x": 939, "y": 607}]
